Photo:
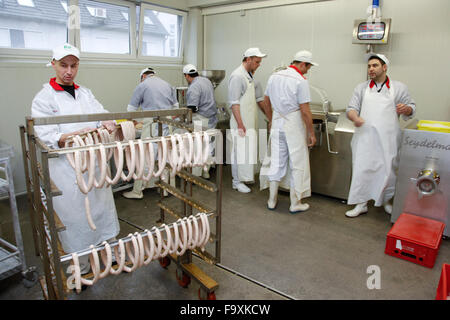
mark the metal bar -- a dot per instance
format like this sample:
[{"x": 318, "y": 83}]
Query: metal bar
[
  {"x": 29, "y": 192},
  {"x": 211, "y": 132},
  {"x": 183, "y": 196},
  {"x": 7, "y": 244},
  {"x": 106, "y": 116},
  {"x": 52, "y": 225},
  {"x": 17, "y": 253},
  {"x": 219, "y": 177},
  {"x": 113, "y": 244},
  {"x": 15, "y": 215},
  {"x": 203, "y": 183},
  {"x": 39, "y": 215}
]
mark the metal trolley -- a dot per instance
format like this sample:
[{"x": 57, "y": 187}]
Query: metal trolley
[
  {"x": 46, "y": 224},
  {"x": 12, "y": 257}
]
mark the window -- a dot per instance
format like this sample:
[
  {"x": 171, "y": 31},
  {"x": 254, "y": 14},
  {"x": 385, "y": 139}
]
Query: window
[
  {"x": 64, "y": 5},
  {"x": 26, "y": 3},
  {"x": 105, "y": 27},
  {"x": 161, "y": 32},
  {"x": 25, "y": 19}
]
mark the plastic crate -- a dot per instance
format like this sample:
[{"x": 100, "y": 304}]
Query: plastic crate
[
  {"x": 429, "y": 125},
  {"x": 6, "y": 151},
  {"x": 443, "y": 290},
  {"x": 415, "y": 239}
]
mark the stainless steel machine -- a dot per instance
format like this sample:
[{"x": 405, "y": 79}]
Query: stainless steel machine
[
  {"x": 331, "y": 157},
  {"x": 423, "y": 181}
]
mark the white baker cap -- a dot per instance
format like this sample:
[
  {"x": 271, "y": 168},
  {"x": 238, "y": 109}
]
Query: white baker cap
[
  {"x": 64, "y": 50},
  {"x": 379, "y": 55},
  {"x": 189, "y": 69},
  {"x": 254, "y": 52},
  {"x": 304, "y": 56},
  {"x": 148, "y": 69}
]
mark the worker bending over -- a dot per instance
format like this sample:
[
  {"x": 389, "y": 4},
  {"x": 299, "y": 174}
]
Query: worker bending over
[
  {"x": 200, "y": 99},
  {"x": 152, "y": 93},
  {"x": 374, "y": 109},
  {"x": 291, "y": 134}
]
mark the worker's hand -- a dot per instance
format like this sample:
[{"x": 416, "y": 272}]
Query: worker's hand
[
  {"x": 358, "y": 122},
  {"x": 241, "y": 130},
  {"x": 109, "y": 125},
  {"x": 403, "y": 109},
  {"x": 311, "y": 140}
]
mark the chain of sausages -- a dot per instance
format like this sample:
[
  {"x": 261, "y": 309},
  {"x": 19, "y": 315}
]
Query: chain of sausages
[
  {"x": 178, "y": 150},
  {"x": 184, "y": 234}
]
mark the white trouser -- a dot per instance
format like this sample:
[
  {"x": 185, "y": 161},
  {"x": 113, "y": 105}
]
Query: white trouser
[{"x": 280, "y": 156}]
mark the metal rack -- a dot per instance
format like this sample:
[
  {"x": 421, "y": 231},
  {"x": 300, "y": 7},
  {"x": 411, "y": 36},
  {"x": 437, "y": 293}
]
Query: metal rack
[
  {"x": 12, "y": 257},
  {"x": 46, "y": 224}
]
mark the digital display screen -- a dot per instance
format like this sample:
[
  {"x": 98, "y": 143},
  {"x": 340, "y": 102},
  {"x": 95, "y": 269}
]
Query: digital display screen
[{"x": 371, "y": 31}]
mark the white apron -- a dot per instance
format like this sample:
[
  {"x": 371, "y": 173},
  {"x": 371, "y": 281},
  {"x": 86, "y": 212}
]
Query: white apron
[
  {"x": 298, "y": 170},
  {"x": 70, "y": 206},
  {"x": 244, "y": 150},
  {"x": 374, "y": 149}
]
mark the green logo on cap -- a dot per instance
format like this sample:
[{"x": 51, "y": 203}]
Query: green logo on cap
[{"x": 67, "y": 47}]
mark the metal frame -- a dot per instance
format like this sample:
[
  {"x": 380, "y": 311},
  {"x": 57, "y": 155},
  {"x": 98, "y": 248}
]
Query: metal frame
[
  {"x": 40, "y": 190},
  {"x": 13, "y": 258}
]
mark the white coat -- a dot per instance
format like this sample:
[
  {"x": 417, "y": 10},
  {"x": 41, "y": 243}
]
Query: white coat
[
  {"x": 244, "y": 150},
  {"x": 51, "y": 101},
  {"x": 375, "y": 149},
  {"x": 288, "y": 129}
]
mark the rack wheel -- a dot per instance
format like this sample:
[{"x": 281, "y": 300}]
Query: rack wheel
[
  {"x": 203, "y": 295},
  {"x": 30, "y": 277},
  {"x": 183, "y": 279},
  {"x": 164, "y": 262}
]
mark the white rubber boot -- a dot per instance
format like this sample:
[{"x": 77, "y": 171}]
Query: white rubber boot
[
  {"x": 387, "y": 207},
  {"x": 273, "y": 195},
  {"x": 360, "y": 208},
  {"x": 296, "y": 203}
]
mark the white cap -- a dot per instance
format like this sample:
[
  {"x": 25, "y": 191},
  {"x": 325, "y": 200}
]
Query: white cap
[
  {"x": 254, "y": 52},
  {"x": 304, "y": 56},
  {"x": 64, "y": 50},
  {"x": 189, "y": 69},
  {"x": 148, "y": 69},
  {"x": 379, "y": 55}
]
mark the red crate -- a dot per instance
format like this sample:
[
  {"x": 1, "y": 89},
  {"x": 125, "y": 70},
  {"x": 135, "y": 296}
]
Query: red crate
[
  {"x": 443, "y": 290},
  {"x": 415, "y": 239}
]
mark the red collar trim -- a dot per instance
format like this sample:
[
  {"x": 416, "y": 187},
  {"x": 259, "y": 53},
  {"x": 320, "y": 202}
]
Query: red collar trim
[
  {"x": 57, "y": 87},
  {"x": 372, "y": 83},
  {"x": 296, "y": 69}
]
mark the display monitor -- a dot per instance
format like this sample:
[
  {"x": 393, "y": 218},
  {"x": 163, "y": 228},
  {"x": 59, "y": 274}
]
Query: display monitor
[{"x": 371, "y": 32}]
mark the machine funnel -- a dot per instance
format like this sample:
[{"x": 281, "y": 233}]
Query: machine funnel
[{"x": 215, "y": 76}]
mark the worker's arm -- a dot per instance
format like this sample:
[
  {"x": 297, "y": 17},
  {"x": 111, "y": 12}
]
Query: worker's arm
[
  {"x": 353, "y": 115},
  {"x": 268, "y": 106},
  {"x": 405, "y": 105},
  {"x": 307, "y": 119},
  {"x": 237, "y": 116}
]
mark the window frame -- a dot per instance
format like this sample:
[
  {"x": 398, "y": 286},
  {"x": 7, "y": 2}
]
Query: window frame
[
  {"x": 132, "y": 35},
  {"x": 179, "y": 58},
  {"x": 73, "y": 37}
]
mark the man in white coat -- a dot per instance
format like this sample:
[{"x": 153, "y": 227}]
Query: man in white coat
[
  {"x": 292, "y": 132},
  {"x": 61, "y": 96},
  {"x": 374, "y": 109},
  {"x": 245, "y": 96},
  {"x": 200, "y": 99},
  {"x": 152, "y": 93}
]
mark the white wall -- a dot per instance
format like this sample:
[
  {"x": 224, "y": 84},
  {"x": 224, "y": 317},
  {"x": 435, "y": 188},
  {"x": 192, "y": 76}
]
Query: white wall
[
  {"x": 418, "y": 48},
  {"x": 112, "y": 85}
]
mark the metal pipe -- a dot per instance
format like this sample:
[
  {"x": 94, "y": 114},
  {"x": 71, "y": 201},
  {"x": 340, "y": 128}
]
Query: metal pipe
[{"x": 60, "y": 151}]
